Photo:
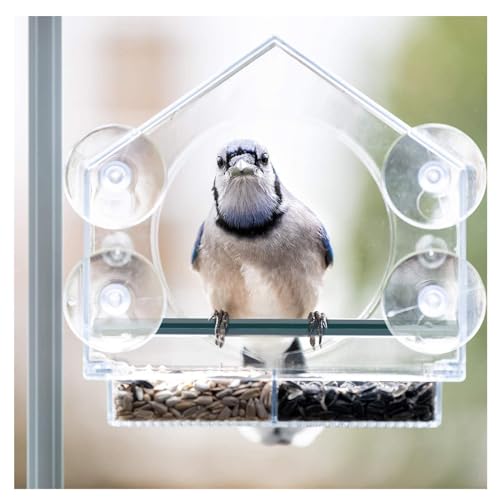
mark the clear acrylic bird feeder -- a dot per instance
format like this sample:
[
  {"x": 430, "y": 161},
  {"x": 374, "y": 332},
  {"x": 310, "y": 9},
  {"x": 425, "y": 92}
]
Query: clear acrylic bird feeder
[{"x": 402, "y": 300}]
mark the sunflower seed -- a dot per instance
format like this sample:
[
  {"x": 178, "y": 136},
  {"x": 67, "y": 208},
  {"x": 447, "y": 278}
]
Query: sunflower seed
[
  {"x": 127, "y": 402},
  {"x": 144, "y": 414},
  {"x": 172, "y": 401},
  {"x": 201, "y": 385},
  {"x": 216, "y": 399},
  {"x": 158, "y": 408},
  {"x": 139, "y": 393},
  {"x": 224, "y": 393},
  {"x": 123, "y": 413},
  {"x": 191, "y": 412},
  {"x": 204, "y": 400},
  {"x": 175, "y": 413},
  {"x": 266, "y": 390},
  {"x": 230, "y": 401},
  {"x": 191, "y": 394},
  {"x": 250, "y": 393},
  {"x": 261, "y": 410},
  {"x": 225, "y": 413},
  {"x": 144, "y": 383},
  {"x": 239, "y": 392},
  {"x": 184, "y": 405},
  {"x": 250, "y": 410},
  {"x": 354, "y": 401},
  {"x": 215, "y": 406},
  {"x": 162, "y": 396}
]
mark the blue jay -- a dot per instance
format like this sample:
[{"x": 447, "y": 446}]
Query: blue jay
[{"x": 261, "y": 253}]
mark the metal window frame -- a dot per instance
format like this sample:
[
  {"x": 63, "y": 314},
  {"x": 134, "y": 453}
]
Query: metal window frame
[{"x": 45, "y": 364}]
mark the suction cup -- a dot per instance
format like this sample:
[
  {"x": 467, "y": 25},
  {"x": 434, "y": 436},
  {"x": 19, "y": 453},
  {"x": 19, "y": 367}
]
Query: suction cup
[
  {"x": 434, "y": 302},
  {"x": 114, "y": 301},
  {"x": 118, "y": 188},
  {"x": 427, "y": 188}
]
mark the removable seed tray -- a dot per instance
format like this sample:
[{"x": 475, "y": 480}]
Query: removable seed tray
[
  {"x": 402, "y": 300},
  {"x": 262, "y": 399}
]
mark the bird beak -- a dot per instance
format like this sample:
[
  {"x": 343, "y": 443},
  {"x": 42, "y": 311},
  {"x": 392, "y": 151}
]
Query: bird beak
[{"x": 242, "y": 168}]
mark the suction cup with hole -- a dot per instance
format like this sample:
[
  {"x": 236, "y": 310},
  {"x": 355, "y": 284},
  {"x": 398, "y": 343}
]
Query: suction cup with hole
[
  {"x": 434, "y": 177},
  {"x": 434, "y": 302},
  {"x": 115, "y": 178},
  {"x": 114, "y": 301}
]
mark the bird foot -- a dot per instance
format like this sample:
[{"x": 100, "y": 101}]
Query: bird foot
[
  {"x": 317, "y": 325},
  {"x": 221, "y": 326}
]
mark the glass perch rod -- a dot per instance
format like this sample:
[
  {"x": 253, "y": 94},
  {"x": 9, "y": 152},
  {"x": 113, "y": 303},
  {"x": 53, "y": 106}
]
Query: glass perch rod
[{"x": 285, "y": 327}]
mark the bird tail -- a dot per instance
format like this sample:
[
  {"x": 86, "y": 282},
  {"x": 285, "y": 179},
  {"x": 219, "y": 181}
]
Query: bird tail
[
  {"x": 281, "y": 435},
  {"x": 294, "y": 363}
]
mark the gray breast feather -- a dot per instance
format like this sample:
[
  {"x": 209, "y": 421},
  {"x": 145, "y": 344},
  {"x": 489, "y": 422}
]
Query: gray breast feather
[{"x": 286, "y": 264}]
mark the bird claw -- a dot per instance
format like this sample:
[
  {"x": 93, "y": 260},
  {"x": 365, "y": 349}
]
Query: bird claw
[
  {"x": 317, "y": 325},
  {"x": 221, "y": 326}
]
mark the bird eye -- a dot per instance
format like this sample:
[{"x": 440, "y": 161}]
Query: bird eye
[
  {"x": 220, "y": 161},
  {"x": 264, "y": 159}
]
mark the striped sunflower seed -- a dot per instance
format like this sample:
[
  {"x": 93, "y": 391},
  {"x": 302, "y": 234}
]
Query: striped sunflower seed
[
  {"x": 172, "y": 401},
  {"x": 204, "y": 400},
  {"x": 250, "y": 393},
  {"x": 184, "y": 405},
  {"x": 260, "y": 408},
  {"x": 158, "y": 408},
  {"x": 230, "y": 401},
  {"x": 224, "y": 393},
  {"x": 162, "y": 395},
  {"x": 175, "y": 413},
  {"x": 143, "y": 414},
  {"x": 192, "y": 412},
  {"x": 225, "y": 413},
  {"x": 250, "y": 410}
]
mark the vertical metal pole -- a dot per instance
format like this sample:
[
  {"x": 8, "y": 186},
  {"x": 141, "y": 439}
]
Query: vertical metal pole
[{"x": 45, "y": 424}]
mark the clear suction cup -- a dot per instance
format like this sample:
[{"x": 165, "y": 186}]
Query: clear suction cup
[
  {"x": 437, "y": 187},
  {"x": 114, "y": 301},
  {"x": 114, "y": 178},
  {"x": 434, "y": 302}
]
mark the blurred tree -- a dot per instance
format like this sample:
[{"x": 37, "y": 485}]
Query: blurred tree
[{"x": 439, "y": 75}]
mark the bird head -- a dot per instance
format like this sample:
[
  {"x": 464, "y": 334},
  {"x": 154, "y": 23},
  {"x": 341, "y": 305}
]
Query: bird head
[
  {"x": 243, "y": 161},
  {"x": 246, "y": 188}
]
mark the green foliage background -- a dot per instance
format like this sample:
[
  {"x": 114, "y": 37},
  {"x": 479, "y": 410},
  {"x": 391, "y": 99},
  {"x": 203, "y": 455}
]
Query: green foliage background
[{"x": 439, "y": 76}]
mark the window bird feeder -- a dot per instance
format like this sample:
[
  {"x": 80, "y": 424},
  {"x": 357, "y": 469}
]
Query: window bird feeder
[{"x": 402, "y": 301}]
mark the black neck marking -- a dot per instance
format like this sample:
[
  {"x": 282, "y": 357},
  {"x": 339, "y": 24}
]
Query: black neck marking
[
  {"x": 251, "y": 231},
  {"x": 256, "y": 229},
  {"x": 277, "y": 188}
]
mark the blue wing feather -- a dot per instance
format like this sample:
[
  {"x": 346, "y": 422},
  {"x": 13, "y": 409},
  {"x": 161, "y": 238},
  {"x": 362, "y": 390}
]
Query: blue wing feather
[
  {"x": 327, "y": 246},
  {"x": 197, "y": 243}
]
